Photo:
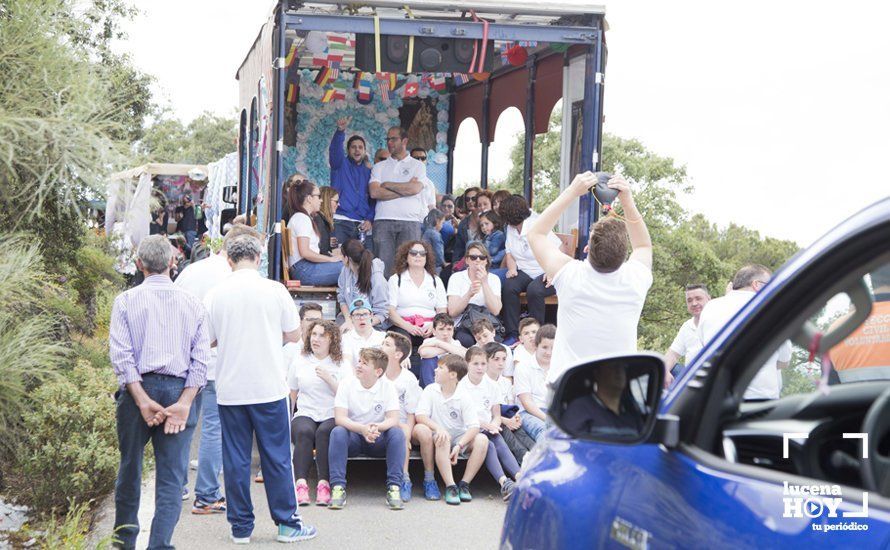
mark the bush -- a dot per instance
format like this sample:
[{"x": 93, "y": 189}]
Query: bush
[
  {"x": 70, "y": 447},
  {"x": 70, "y": 532}
]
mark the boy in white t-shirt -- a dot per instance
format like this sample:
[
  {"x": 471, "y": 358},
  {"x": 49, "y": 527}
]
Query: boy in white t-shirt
[
  {"x": 486, "y": 395},
  {"x": 518, "y": 441},
  {"x": 530, "y": 383},
  {"x": 366, "y": 410},
  {"x": 397, "y": 348},
  {"x": 362, "y": 334},
  {"x": 448, "y": 420},
  {"x": 441, "y": 343},
  {"x": 525, "y": 349},
  {"x": 483, "y": 333}
]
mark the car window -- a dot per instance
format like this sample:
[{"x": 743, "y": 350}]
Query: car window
[{"x": 862, "y": 356}]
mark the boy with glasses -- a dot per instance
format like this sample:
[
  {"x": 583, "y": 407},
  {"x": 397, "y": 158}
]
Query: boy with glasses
[{"x": 363, "y": 334}]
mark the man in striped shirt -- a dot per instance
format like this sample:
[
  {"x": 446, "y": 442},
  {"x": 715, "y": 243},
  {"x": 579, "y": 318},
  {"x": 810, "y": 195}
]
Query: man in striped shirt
[{"x": 159, "y": 349}]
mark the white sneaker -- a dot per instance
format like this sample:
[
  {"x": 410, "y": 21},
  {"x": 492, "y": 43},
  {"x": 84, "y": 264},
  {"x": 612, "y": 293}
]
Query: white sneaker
[
  {"x": 193, "y": 464},
  {"x": 241, "y": 540}
]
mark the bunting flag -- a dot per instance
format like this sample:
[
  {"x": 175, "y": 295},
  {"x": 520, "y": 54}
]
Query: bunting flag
[
  {"x": 292, "y": 55},
  {"x": 460, "y": 79},
  {"x": 335, "y": 92},
  {"x": 412, "y": 87},
  {"x": 437, "y": 82},
  {"x": 386, "y": 84},
  {"x": 338, "y": 45},
  {"x": 365, "y": 90},
  {"x": 326, "y": 75},
  {"x": 291, "y": 93}
]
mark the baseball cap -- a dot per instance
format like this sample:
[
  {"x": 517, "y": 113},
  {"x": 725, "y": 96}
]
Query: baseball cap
[{"x": 358, "y": 303}]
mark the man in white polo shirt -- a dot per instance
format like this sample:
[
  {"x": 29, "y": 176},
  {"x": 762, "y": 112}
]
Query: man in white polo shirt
[
  {"x": 397, "y": 185},
  {"x": 600, "y": 298},
  {"x": 687, "y": 343},
  {"x": 249, "y": 318}
]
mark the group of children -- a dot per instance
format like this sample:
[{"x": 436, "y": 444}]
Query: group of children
[{"x": 354, "y": 395}]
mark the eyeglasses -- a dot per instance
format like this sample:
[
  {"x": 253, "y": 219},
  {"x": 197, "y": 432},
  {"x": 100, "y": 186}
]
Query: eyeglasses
[
  {"x": 360, "y": 315},
  {"x": 420, "y": 253},
  {"x": 448, "y": 206},
  {"x": 476, "y": 257}
]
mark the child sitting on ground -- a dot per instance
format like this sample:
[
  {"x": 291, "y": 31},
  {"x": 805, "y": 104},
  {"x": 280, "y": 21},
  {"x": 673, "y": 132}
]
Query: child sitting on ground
[
  {"x": 366, "y": 410},
  {"x": 514, "y": 435},
  {"x": 483, "y": 332},
  {"x": 447, "y": 419},
  {"x": 499, "y": 461},
  {"x": 442, "y": 342},
  {"x": 362, "y": 334},
  {"x": 525, "y": 349},
  {"x": 397, "y": 348},
  {"x": 530, "y": 383}
]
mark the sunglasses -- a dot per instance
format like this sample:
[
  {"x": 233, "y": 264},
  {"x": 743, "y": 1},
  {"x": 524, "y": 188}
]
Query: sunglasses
[
  {"x": 421, "y": 158},
  {"x": 420, "y": 253},
  {"x": 475, "y": 257},
  {"x": 471, "y": 199}
]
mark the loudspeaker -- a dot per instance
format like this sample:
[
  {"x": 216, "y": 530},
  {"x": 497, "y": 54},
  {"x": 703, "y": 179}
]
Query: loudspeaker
[{"x": 431, "y": 55}]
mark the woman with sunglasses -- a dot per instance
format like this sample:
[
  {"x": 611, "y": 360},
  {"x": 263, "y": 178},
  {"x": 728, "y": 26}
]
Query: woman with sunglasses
[
  {"x": 416, "y": 294},
  {"x": 475, "y": 287},
  {"x": 307, "y": 263}
]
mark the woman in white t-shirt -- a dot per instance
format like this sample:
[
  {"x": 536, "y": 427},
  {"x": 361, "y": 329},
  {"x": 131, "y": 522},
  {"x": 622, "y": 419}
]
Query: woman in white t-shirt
[
  {"x": 416, "y": 294},
  {"x": 473, "y": 287},
  {"x": 307, "y": 263},
  {"x": 313, "y": 377}
]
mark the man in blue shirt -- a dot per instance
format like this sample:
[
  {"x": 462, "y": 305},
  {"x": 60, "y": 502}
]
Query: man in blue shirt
[{"x": 350, "y": 172}]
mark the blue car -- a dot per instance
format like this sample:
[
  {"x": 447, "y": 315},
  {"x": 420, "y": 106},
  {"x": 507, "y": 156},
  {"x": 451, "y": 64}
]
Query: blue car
[{"x": 697, "y": 466}]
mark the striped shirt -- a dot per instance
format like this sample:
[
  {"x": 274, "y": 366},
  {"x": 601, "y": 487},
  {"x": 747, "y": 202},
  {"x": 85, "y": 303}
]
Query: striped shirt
[{"x": 161, "y": 329}]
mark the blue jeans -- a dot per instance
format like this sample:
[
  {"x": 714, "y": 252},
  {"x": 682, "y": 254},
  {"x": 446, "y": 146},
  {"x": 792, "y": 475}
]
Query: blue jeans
[
  {"x": 316, "y": 274},
  {"x": 270, "y": 423},
  {"x": 501, "y": 272},
  {"x": 345, "y": 444},
  {"x": 532, "y": 425},
  {"x": 428, "y": 370},
  {"x": 207, "y": 488},
  {"x": 388, "y": 235},
  {"x": 171, "y": 462},
  {"x": 346, "y": 229}
]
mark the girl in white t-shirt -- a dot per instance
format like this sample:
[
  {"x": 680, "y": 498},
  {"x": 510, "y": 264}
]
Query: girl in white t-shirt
[
  {"x": 476, "y": 286},
  {"x": 307, "y": 263},
  {"x": 314, "y": 376}
]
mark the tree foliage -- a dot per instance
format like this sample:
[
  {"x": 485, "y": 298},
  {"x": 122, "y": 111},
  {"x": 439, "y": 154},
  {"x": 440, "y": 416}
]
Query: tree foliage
[{"x": 205, "y": 139}]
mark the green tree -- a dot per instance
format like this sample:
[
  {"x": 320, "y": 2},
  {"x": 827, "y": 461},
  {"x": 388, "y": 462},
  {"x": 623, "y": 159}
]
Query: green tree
[{"x": 205, "y": 139}]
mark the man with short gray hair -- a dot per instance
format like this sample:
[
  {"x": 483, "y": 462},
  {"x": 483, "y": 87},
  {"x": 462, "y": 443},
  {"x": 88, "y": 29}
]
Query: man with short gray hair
[
  {"x": 159, "y": 349},
  {"x": 250, "y": 318}
]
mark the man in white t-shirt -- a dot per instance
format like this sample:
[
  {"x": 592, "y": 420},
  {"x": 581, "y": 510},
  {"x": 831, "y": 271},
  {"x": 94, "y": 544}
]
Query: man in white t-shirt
[
  {"x": 363, "y": 334},
  {"x": 249, "y": 317},
  {"x": 429, "y": 188},
  {"x": 687, "y": 344},
  {"x": 199, "y": 278},
  {"x": 397, "y": 185},
  {"x": 600, "y": 298},
  {"x": 747, "y": 282},
  {"x": 524, "y": 272}
]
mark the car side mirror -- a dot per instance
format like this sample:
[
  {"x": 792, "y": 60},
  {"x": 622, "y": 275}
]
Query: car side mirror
[{"x": 613, "y": 400}]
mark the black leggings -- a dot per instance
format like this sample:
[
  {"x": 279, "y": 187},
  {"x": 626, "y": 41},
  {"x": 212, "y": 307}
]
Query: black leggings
[{"x": 307, "y": 434}]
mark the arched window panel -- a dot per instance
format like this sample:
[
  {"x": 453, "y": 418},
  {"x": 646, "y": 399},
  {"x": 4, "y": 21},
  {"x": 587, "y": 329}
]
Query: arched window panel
[
  {"x": 505, "y": 171},
  {"x": 467, "y": 156}
]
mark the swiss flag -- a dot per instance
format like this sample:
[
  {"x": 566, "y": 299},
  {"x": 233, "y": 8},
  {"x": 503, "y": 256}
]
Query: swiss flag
[{"x": 411, "y": 89}]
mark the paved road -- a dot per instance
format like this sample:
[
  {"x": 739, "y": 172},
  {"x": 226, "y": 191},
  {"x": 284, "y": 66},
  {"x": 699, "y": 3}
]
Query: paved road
[{"x": 364, "y": 523}]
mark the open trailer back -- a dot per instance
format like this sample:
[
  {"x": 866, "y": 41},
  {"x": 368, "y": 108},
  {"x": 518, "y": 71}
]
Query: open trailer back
[{"x": 424, "y": 65}]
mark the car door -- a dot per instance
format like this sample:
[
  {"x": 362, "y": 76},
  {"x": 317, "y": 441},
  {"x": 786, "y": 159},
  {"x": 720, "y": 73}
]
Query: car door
[{"x": 689, "y": 496}]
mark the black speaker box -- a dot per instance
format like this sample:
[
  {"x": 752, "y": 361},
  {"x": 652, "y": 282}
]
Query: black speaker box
[{"x": 431, "y": 55}]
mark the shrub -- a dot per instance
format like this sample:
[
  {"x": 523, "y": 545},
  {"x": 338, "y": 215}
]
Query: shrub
[
  {"x": 70, "y": 532},
  {"x": 70, "y": 447}
]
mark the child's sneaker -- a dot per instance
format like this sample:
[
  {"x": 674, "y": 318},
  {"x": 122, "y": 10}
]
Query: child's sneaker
[
  {"x": 338, "y": 497},
  {"x": 323, "y": 493},
  {"x": 185, "y": 493},
  {"x": 259, "y": 477},
  {"x": 240, "y": 540},
  {"x": 452, "y": 494},
  {"x": 289, "y": 534},
  {"x": 507, "y": 489},
  {"x": 302, "y": 493},
  {"x": 204, "y": 508},
  {"x": 464, "y": 490},
  {"x": 431, "y": 489},
  {"x": 405, "y": 487},
  {"x": 394, "y": 498}
]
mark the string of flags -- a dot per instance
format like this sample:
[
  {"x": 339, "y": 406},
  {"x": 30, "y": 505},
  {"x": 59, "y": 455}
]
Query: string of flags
[{"x": 365, "y": 85}]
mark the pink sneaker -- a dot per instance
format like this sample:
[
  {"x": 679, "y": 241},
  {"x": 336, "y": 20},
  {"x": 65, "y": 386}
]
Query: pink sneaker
[
  {"x": 323, "y": 493},
  {"x": 302, "y": 493}
]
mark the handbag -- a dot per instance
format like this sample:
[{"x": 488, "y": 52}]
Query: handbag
[{"x": 474, "y": 313}]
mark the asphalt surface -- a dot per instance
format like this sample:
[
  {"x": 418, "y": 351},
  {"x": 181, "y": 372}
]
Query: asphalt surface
[{"x": 364, "y": 523}]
